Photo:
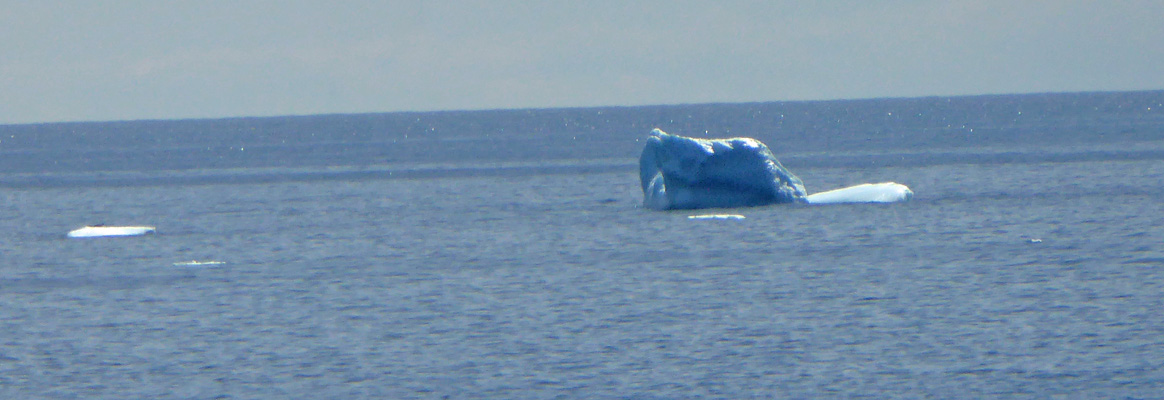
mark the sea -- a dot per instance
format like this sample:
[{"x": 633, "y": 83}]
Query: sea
[{"x": 505, "y": 254}]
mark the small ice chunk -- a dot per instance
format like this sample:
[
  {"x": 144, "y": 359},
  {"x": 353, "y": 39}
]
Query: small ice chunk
[
  {"x": 196, "y": 263},
  {"x": 716, "y": 216},
  {"x": 108, "y": 231}
]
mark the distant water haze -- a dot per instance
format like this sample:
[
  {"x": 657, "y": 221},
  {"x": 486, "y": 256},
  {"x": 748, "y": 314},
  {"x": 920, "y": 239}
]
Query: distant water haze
[{"x": 891, "y": 131}]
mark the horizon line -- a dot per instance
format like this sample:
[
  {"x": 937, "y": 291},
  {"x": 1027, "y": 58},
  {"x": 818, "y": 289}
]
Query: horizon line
[{"x": 560, "y": 108}]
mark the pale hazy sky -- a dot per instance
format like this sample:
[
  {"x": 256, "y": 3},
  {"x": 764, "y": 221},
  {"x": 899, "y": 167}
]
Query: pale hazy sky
[{"x": 115, "y": 60}]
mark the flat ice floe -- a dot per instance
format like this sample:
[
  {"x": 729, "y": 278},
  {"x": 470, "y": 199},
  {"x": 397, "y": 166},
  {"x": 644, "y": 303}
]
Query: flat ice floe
[
  {"x": 885, "y": 192},
  {"x": 110, "y": 231}
]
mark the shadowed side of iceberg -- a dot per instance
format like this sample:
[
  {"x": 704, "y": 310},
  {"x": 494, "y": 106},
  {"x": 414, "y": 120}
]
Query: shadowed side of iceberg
[
  {"x": 885, "y": 192},
  {"x": 679, "y": 172}
]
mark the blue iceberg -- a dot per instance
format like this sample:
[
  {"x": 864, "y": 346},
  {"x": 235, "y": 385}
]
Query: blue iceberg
[
  {"x": 686, "y": 173},
  {"x": 679, "y": 172}
]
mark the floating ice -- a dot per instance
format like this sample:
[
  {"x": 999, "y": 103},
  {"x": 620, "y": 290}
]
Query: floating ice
[
  {"x": 109, "y": 231},
  {"x": 886, "y": 192},
  {"x": 679, "y": 172},
  {"x": 196, "y": 263},
  {"x": 716, "y": 216},
  {"x": 687, "y": 173}
]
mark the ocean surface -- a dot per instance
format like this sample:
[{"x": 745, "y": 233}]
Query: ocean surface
[{"x": 505, "y": 255}]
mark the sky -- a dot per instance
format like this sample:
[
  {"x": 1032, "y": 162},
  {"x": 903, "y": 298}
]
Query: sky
[{"x": 126, "y": 60}]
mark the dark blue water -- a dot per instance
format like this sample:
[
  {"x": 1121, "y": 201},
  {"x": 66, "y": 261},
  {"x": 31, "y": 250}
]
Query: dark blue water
[{"x": 503, "y": 254}]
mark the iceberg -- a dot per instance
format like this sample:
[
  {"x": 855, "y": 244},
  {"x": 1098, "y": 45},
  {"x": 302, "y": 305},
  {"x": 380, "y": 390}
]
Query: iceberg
[
  {"x": 679, "y": 172},
  {"x": 686, "y": 173},
  {"x": 108, "y": 231}
]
